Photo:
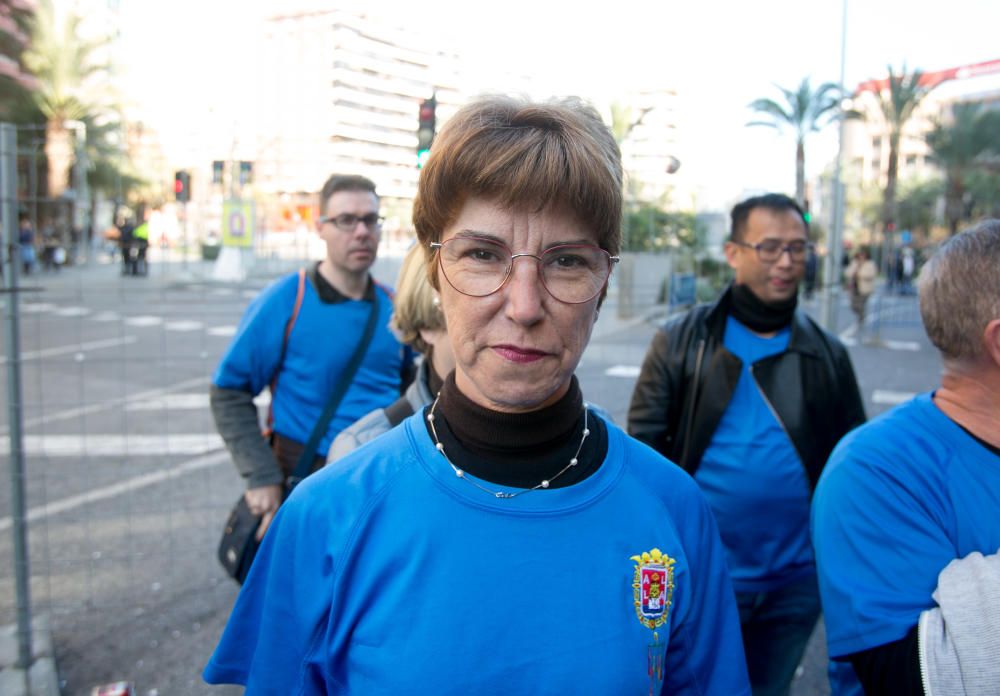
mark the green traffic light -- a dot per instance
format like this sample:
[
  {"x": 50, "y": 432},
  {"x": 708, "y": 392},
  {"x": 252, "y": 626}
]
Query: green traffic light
[{"x": 422, "y": 156}]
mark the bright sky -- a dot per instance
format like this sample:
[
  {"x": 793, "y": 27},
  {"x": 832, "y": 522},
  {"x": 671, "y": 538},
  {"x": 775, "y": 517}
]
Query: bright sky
[{"x": 719, "y": 56}]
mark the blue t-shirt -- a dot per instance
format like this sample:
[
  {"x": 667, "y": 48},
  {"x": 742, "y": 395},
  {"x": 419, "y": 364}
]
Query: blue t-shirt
[
  {"x": 319, "y": 348},
  {"x": 754, "y": 480},
  {"x": 387, "y": 574},
  {"x": 901, "y": 497}
]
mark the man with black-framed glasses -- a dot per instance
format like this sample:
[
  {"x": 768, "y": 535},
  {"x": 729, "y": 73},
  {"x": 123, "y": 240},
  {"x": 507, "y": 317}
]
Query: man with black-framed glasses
[
  {"x": 750, "y": 395},
  {"x": 297, "y": 338}
]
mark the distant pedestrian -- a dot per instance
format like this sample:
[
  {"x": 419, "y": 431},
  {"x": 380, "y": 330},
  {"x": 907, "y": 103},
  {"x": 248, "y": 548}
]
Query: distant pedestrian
[
  {"x": 26, "y": 242},
  {"x": 749, "y": 395},
  {"x": 906, "y": 519},
  {"x": 908, "y": 268},
  {"x": 860, "y": 275}
]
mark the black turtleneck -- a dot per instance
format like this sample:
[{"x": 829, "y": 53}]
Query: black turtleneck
[
  {"x": 519, "y": 449},
  {"x": 760, "y": 316}
]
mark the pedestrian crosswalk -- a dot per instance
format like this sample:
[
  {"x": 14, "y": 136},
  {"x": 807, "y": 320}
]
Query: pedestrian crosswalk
[{"x": 136, "y": 321}]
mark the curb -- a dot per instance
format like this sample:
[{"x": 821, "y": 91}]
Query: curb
[{"x": 42, "y": 677}]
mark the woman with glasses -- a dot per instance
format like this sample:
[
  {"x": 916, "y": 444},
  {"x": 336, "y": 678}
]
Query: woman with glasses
[{"x": 506, "y": 539}]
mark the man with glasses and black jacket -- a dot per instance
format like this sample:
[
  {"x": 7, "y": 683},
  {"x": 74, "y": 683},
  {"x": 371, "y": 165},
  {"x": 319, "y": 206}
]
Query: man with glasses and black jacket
[
  {"x": 297, "y": 338},
  {"x": 749, "y": 395}
]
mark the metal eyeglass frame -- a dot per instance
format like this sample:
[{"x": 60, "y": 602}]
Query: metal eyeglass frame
[
  {"x": 612, "y": 260},
  {"x": 376, "y": 224},
  {"x": 809, "y": 246}
]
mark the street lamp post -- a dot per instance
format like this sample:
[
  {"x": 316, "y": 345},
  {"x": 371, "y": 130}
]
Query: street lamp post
[{"x": 830, "y": 298}]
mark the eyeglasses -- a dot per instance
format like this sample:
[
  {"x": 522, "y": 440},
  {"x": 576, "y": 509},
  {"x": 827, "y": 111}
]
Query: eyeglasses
[
  {"x": 571, "y": 273},
  {"x": 348, "y": 222},
  {"x": 770, "y": 250}
]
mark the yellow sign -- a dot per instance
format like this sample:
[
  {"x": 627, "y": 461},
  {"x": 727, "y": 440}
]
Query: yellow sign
[{"x": 238, "y": 222}]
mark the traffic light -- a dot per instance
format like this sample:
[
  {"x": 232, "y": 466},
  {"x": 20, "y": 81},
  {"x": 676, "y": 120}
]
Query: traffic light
[
  {"x": 425, "y": 130},
  {"x": 217, "y": 168},
  {"x": 182, "y": 186},
  {"x": 246, "y": 172}
]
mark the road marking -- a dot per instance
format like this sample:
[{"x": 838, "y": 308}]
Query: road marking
[
  {"x": 629, "y": 371},
  {"x": 36, "y": 307},
  {"x": 75, "y": 348},
  {"x": 128, "y": 486},
  {"x": 892, "y": 398},
  {"x": 223, "y": 292},
  {"x": 116, "y": 445},
  {"x": 912, "y": 346},
  {"x": 101, "y": 406},
  {"x": 106, "y": 316},
  {"x": 72, "y": 312},
  {"x": 222, "y": 331},
  {"x": 250, "y": 294},
  {"x": 172, "y": 402},
  {"x": 144, "y": 320},
  {"x": 183, "y": 325}
]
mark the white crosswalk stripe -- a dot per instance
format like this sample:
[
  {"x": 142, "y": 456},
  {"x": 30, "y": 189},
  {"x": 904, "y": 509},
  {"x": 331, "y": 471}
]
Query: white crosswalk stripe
[
  {"x": 890, "y": 398},
  {"x": 144, "y": 320},
  {"x": 116, "y": 445},
  {"x": 173, "y": 402},
  {"x": 183, "y": 325},
  {"x": 72, "y": 312},
  {"x": 106, "y": 316},
  {"x": 36, "y": 307},
  {"x": 222, "y": 331},
  {"x": 627, "y": 371}
]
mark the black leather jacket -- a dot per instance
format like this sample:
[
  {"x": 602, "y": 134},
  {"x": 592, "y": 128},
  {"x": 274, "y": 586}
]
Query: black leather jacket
[{"x": 688, "y": 378}]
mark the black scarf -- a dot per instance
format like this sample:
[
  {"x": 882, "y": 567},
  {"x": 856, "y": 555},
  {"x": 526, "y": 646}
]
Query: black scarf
[{"x": 757, "y": 315}]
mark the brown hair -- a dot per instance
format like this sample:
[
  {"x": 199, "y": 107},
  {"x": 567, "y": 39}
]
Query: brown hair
[
  {"x": 525, "y": 155},
  {"x": 960, "y": 291},
  {"x": 414, "y": 306},
  {"x": 344, "y": 182}
]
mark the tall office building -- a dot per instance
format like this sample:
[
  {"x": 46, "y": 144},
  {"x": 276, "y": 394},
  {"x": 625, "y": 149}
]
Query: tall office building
[{"x": 340, "y": 91}]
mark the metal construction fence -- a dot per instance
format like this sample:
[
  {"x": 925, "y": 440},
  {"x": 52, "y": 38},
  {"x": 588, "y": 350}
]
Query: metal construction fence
[{"x": 120, "y": 484}]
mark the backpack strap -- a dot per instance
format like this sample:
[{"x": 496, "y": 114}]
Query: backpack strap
[{"x": 289, "y": 325}]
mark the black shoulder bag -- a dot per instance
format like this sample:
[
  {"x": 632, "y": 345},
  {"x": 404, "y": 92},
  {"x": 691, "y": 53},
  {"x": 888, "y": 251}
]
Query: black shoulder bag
[{"x": 238, "y": 546}]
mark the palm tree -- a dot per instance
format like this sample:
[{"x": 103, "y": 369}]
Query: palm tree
[
  {"x": 69, "y": 88},
  {"x": 897, "y": 103},
  {"x": 958, "y": 148},
  {"x": 804, "y": 111}
]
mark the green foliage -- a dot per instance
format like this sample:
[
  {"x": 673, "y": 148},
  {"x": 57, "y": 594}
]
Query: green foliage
[
  {"x": 983, "y": 188},
  {"x": 69, "y": 74},
  {"x": 803, "y": 111},
  {"x": 963, "y": 146},
  {"x": 905, "y": 93},
  {"x": 917, "y": 204},
  {"x": 648, "y": 228}
]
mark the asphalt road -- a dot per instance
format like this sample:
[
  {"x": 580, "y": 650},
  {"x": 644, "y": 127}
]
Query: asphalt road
[{"x": 127, "y": 485}]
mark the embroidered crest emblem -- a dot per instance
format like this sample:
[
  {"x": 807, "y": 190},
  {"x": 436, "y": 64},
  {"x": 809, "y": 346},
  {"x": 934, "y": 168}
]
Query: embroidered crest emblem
[{"x": 653, "y": 587}]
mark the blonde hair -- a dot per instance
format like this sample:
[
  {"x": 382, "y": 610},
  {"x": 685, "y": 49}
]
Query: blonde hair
[{"x": 415, "y": 306}]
